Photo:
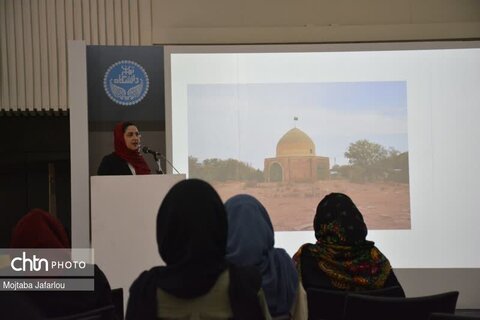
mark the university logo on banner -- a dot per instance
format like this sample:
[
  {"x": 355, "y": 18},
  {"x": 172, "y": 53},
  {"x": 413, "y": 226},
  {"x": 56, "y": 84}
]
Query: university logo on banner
[{"x": 126, "y": 82}]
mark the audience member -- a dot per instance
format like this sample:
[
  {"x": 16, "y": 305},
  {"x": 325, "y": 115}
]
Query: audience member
[
  {"x": 342, "y": 258},
  {"x": 196, "y": 282},
  {"x": 40, "y": 229},
  {"x": 17, "y": 305},
  {"x": 251, "y": 243}
]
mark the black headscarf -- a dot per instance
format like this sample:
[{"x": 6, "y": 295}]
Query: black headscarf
[{"x": 192, "y": 236}]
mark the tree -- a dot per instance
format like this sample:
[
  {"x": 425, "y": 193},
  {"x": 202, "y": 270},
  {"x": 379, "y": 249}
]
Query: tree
[
  {"x": 368, "y": 159},
  {"x": 364, "y": 153},
  {"x": 396, "y": 167},
  {"x": 214, "y": 169}
]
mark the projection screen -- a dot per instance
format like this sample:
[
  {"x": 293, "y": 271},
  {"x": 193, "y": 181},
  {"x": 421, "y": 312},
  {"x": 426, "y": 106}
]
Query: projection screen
[{"x": 393, "y": 125}]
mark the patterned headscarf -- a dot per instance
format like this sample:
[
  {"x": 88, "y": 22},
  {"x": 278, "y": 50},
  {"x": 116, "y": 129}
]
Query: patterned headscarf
[
  {"x": 251, "y": 243},
  {"x": 131, "y": 156},
  {"x": 342, "y": 251}
]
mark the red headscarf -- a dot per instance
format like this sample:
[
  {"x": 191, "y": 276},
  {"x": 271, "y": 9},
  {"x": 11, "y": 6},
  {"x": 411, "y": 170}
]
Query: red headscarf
[
  {"x": 39, "y": 229},
  {"x": 132, "y": 157}
]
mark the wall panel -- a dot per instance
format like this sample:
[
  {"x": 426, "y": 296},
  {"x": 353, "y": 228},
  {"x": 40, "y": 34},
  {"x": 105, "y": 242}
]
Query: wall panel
[
  {"x": 134, "y": 30},
  {"x": 110, "y": 21},
  {"x": 11, "y": 55},
  {"x": 93, "y": 22},
  {"x": 20, "y": 55},
  {"x": 4, "y": 88},
  {"x": 33, "y": 37},
  {"x": 28, "y": 53},
  {"x": 86, "y": 21},
  {"x": 117, "y": 18},
  {"x": 52, "y": 54},
  {"x": 125, "y": 22},
  {"x": 62, "y": 55},
  {"x": 37, "y": 101},
  {"x": 44, "y": 70},
  {"x": 102, "y": 23},
  {"x": 77, "y": 20},
  {"x": 145, "y": 25}
]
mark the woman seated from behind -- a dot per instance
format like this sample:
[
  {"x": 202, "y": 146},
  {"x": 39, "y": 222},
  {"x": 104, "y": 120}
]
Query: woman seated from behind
[
  {"x": 39, "y": 229},
  {"x": 196, "y": 282},
  {"x": 251, "y": 243},
  {"x": 342, "y": 258}
]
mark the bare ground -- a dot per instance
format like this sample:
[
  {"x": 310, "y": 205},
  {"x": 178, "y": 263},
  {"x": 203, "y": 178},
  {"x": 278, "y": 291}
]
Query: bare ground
[{"x": 292, "y": 206}]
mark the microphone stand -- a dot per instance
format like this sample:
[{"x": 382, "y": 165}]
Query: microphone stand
[
  {"x": 166, "y": 160},
  {"x": 159, "y": 165},
  {"x": 157, "y": 160}
]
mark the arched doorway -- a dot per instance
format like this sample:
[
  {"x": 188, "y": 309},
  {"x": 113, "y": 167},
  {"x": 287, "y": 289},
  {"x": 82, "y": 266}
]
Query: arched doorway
[{"x": 276, "y": 172}]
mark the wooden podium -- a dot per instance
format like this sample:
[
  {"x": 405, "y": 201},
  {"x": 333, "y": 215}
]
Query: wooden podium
[{"x": 123, "y": 224}]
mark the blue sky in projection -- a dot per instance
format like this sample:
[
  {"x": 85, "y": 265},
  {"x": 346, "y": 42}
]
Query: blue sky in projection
[{"x": 245, "y": 121}]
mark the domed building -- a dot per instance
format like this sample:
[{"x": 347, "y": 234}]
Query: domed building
[{"x": 296, "y": 160}]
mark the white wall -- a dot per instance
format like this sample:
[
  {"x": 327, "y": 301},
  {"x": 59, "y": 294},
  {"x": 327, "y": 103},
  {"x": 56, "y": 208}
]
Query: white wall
[
  {"x": 34, "y": 33},
  {"x": 33, "y": 44},
  {"x": 274, "y": 21},
  {"x": 312, "y": 21}
]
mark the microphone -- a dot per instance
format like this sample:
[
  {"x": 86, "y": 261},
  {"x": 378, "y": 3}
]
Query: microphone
[{"x": 146, "y": 149}]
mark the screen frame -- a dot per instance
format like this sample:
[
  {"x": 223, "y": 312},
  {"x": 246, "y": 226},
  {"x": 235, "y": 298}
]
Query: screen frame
[{"x": 287, "y": 48}]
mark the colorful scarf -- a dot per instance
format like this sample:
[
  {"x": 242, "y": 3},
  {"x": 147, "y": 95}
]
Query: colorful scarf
[{"x": 342, "y": 251}]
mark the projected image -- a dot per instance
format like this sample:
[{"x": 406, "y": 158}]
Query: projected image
[{"x": 290, "y": 144}]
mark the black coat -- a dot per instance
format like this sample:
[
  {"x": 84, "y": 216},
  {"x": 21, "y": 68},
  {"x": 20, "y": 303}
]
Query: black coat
[
  {"x": 245, "y": 283},
  {"x": 113, "y": 165},
  {"x": 34, "y": 305}
]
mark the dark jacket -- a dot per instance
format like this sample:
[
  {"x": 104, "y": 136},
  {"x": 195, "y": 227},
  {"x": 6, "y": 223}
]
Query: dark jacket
[
  {"x": 34, "y": 305},
  {"x": 113, "y": 165},
  {"x": 245, "y": 283}
]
